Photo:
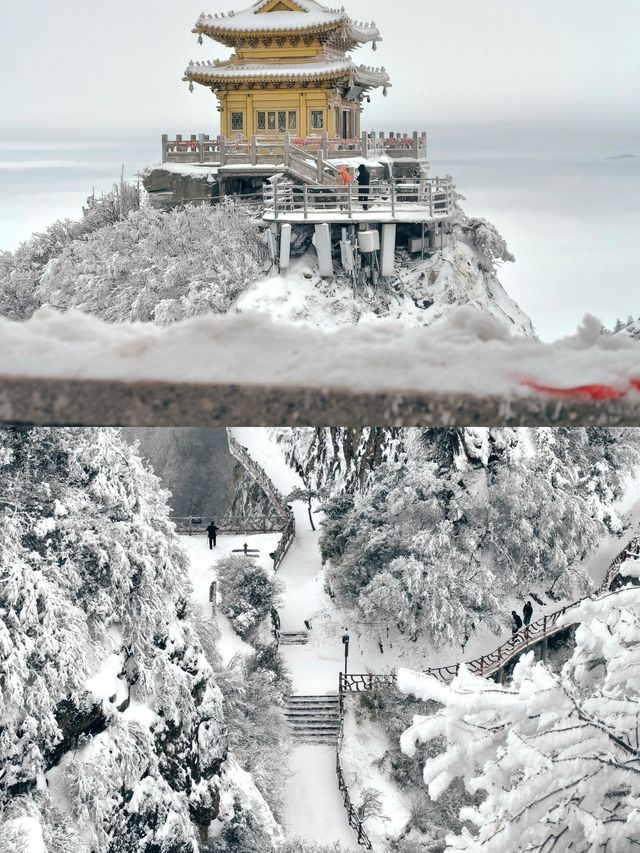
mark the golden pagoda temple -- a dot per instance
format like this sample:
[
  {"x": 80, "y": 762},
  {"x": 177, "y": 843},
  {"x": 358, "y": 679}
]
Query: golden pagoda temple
[{"x": 291, "y": 71}]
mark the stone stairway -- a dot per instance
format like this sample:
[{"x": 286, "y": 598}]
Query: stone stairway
[
  {"x": 314, "y": 719},
  {"x": 294, "y": 638}
]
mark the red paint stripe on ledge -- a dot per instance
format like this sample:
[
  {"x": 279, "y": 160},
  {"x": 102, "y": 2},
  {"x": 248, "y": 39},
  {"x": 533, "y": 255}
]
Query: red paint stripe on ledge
[{"x": 589, "y": 392}]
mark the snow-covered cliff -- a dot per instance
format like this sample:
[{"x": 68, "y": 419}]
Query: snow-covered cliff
[
  {"x": 165, "y": 266},
  {"x": 421, "y": 293}
]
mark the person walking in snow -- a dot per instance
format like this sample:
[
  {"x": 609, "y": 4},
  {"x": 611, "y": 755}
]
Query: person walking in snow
[
  {"x": 364, "y": 182},
  {"x": 516, "y": 624},
  {"x": 527, "y": 613},
  {"x": 212, "y": 533}
]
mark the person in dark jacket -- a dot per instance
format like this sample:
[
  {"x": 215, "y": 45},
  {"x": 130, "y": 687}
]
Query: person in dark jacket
[
  {"x": 516, "y": 623},
  {"x": 528, "y": 613},
  {"x": 212, "y": 533},
  {"x": 364, "y": 182}
]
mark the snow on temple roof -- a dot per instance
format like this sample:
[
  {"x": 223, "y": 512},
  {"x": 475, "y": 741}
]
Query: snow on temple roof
[
  {"x": 362, "y": 74},
  {"x": 312, "y": 15}
]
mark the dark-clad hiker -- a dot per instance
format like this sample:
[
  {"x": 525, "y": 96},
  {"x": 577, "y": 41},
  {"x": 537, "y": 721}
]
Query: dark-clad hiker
[
  {"x": 212, "y": 533},
  {"x": 516, "y": 623},
  {"x": 364, "y": 181},
  {"x": 527, "y": 613}
]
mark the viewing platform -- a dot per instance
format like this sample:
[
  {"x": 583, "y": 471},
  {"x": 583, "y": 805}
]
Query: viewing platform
[{"x": 429, "y": 200}]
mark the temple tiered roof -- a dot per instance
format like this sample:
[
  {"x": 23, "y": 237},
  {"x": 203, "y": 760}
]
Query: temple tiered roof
[
  {"x": 288, "y": 17},
  {"x": 362, "y": 76}
]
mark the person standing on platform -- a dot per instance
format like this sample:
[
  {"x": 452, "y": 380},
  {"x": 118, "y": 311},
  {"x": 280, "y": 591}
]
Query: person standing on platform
[{"x": 364, "y": 182}]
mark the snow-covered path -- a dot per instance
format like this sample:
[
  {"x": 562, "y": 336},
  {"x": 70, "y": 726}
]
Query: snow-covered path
[
  {"x": 314, "y": 808},
  {"x": 202, "y": 573}
]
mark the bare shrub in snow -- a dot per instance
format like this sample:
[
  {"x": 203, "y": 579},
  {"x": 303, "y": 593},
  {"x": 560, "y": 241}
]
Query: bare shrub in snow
[{"x": 554, "y": 756}]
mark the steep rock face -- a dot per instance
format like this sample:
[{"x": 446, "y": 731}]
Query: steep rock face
[
  {"x": 194, "y": 464},
  {"x": 113, "y": 736}
]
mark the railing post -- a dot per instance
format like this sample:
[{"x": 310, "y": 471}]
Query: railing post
[
  {"x": 287, "y": 150},
  {"x": 393, "y": 198},
  {"x": 254, "y": 150},
  {"x": 305, "y": 201},
  {"x": 201, "y": 144},
  {"x": 349, "y": 204},
  {"x": 223, "y": 150},
  {"x": 165, "y": 146},
  {"x": 364, "y": 145},
  {"x": 320, "y": 167},
  {"x": 325, "y": 145},
  {"x": 416, "y": 145},
  {"x": 275, "y": 198}
]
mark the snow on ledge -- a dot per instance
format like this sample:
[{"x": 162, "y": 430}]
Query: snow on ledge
[{"x": 468, "y": 353}]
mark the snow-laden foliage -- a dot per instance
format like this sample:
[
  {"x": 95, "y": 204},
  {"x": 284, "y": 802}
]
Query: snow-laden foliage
[
  {"x": 254, "y": 689},
  {"x": 157, "y": 266},
  {"x": 248, "y": 592},
  {"x": 439, "y": 538},
  {"x": 112, "y": 727},
  {"x": 631, "y": 327},
  {"x": 21, "y": 270},
  {"x": 554, "y": 756}
]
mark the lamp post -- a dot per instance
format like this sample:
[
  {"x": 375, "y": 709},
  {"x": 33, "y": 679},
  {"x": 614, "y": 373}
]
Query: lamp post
[{"x": 345, "y": 643}]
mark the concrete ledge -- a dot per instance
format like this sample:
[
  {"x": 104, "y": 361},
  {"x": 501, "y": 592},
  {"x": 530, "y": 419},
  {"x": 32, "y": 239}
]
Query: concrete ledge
[{"x": 59, "y": 402}]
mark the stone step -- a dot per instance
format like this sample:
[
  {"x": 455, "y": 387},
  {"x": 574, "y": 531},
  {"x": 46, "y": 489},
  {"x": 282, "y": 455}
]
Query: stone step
[{"x": 309, "y": 737}]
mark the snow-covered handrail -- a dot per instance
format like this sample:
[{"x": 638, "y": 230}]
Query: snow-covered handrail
[
  {"x": 488, "y": 665},
  {"x": 196, "y": 523},
  {"x": 355, "y": 821},
  {"x": 283, "y": 509}
]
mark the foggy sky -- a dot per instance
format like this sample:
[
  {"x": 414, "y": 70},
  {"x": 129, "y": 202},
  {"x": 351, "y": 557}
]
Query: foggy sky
[{"x": 87, "y": 65}]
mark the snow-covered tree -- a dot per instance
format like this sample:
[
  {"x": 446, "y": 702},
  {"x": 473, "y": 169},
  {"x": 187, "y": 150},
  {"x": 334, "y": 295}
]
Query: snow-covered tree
[
  {"x": 112, "y": 724},
  {"x": 249, "y": 593},
  {"x": 157, "y": 266},
  {"x": 554, "y": 755},
  {"x": 461, "y": 519}
]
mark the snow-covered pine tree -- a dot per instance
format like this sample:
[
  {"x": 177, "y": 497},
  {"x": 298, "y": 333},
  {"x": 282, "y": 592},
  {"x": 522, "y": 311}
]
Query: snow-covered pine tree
[
  {"x": 112, "y": 736},
  {"x": 554, "y": 755}
]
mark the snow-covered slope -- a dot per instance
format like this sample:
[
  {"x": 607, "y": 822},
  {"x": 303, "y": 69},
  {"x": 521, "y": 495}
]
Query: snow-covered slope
[
  {"x": 164, "y": 267},
  {"x": 422, "y": 292}
]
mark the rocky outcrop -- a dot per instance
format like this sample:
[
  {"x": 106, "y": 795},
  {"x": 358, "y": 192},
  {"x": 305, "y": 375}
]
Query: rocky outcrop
[{"x": 170, "y": 185}]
